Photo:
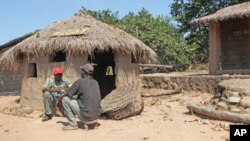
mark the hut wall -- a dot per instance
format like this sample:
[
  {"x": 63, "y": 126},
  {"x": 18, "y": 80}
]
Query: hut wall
[
  {"x": 214, "y": 48},
  {"x": 128, "y": 89},
  {"x": 31, "y": 91},
  {"x": 126, "y": 72},
  {"x": 10, "y": 81}
]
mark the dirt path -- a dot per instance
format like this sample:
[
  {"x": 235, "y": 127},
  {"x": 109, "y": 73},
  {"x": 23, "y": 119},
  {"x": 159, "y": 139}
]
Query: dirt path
[{"x": 162, "y": 119}]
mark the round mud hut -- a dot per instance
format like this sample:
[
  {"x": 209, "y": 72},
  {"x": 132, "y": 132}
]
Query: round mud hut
[{"x": 72, "y": 42}]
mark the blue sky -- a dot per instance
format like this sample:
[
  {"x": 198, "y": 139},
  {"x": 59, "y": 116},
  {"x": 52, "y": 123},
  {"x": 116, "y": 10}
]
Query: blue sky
[{"x": 18, "y": 17}]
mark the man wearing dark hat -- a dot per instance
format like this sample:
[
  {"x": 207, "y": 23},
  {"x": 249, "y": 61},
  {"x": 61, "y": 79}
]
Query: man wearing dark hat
[
  {"x": 53, "y": 87},
  {"x": 87, "y": 105}
]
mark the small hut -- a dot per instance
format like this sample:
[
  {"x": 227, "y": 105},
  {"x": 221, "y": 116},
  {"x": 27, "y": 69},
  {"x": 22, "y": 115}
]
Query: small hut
[
  {"x": 72, "y": 42},
  {"x": 229, "y": 39}
]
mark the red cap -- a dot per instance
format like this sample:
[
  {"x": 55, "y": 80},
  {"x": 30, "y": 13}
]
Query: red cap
[{"x": 58, "y": 70}]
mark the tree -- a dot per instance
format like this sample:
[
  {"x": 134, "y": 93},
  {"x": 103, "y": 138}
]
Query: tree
[
  {"x": 183, "y": 11},
  {"x": 159, "y": 34},
  {"x": 156, "y": 32}
]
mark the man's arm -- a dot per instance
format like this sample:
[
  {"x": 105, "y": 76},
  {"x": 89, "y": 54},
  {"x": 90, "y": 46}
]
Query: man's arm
[
  {"x": 73, "y": 89},
  {"x": 68, "y": 82},
  {"x": 70, "y": 91},
  {"x": 45, "y": 89},
  {"x": 51, "y": 90},
  {"x": 49, "y": 87}
]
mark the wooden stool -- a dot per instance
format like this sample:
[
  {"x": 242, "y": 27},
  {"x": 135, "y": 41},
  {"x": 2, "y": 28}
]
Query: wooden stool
[{"x": 89, "y": 125}]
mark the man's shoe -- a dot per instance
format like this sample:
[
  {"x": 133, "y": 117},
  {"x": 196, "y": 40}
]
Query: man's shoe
[
  {"x": 69, "y": 127},
  {"x": 46, "y": 118}
]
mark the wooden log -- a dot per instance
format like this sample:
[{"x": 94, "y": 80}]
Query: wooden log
[
  {"x": 164, "y": 92},
  {"x": 156, "y": 65},
  {"x": 221, "y": 115}
]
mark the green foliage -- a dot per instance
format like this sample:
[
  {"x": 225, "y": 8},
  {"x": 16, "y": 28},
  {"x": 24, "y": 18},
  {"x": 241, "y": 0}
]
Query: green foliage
[
  {"x": 183, "y": 11},
  {"x": 156, "y": 32}
]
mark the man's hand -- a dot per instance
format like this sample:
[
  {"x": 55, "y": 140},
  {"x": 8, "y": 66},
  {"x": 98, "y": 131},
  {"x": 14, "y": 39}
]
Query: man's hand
[
  {"x": 57, "y": 89},
  {"x": 48, "y": 89}
]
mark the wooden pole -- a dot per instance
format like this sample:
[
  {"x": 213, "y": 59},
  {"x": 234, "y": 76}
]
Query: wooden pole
[{"x": 156, "y": 65}]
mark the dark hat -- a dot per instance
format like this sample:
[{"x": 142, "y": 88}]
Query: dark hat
[{"x": 88, "y": 68}]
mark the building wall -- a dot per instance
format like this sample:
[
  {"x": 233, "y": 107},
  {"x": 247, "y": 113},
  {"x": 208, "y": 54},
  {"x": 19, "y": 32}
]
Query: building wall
[
  {"x": 31, "y": 92},
  {"x": 125, "y": 100},
  {"x": 10, "y": 81},
  {"x": 126, "y": 71},
  {"x": 214, "y": 48}
]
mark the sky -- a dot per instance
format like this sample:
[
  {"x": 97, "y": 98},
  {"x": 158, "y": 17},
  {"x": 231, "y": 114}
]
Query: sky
[{"x": 19, "y": 17}]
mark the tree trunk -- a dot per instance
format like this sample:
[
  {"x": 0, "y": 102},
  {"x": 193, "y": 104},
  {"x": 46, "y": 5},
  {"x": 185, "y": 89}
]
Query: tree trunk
[{"x": 221, "y": 115}]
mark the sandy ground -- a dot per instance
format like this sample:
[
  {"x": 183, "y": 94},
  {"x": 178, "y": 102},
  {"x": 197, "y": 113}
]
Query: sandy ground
[{"x": 164, "y": 118}]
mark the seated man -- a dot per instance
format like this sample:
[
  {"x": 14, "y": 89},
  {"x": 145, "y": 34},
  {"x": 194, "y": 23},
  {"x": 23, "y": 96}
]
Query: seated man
[
  {"x": 87, "y": 106},
  {"x": 52, "y": 90}
]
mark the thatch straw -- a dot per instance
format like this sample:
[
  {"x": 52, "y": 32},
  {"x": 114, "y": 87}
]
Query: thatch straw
[
  {"x": 231, "y": 12},
  {"x": 79, "y": 34}
]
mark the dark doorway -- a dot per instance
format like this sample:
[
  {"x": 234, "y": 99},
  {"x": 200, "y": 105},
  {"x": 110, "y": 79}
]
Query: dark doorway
[
  {"x": 104, "y": 70},
  {"x": 235, "y": 50}
]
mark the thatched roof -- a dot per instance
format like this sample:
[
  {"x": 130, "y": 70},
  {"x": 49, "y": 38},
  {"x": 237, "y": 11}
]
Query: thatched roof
[
  {"x": 79, "y": 34},
  {"x": 231, "y": 12}
]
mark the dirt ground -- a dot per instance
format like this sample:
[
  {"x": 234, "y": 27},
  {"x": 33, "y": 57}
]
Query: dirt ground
[{"x": 164, "y": 118}]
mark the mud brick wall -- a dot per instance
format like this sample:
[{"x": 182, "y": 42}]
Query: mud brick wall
[
  {"x": 198, "y": 83},
  {"x": 10, "y": 82}
]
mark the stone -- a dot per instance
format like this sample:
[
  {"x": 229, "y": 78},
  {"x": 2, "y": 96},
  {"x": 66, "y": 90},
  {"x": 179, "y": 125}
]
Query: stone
[
  {"x": 150, "y": 84},
  {"x": 231, "y": 94},
  {"x": 206, "y": 121},
  {"x": 234, "y": 100},
  {"x": 175, "y": 86},
  {"x": 163, "y": 85},
  {"x": 239, "y": 85},
  {"x": 245, "y": 93},
  {"x": 235, "y": 110},
  {"x": 26, "y": 110},
  {"x": 166, "y": 79},
  {"x": 6, "y": 110},
  {"x": 215, "y": 101},
  {"x": 222, "y": 106},
  {"x": 247, "y": 111},
  {"x": 156, "y": 80},
  {"x": 245, "y": 102}
]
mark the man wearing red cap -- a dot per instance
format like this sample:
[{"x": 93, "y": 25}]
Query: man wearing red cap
[{"x": 52, "y": 89}]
